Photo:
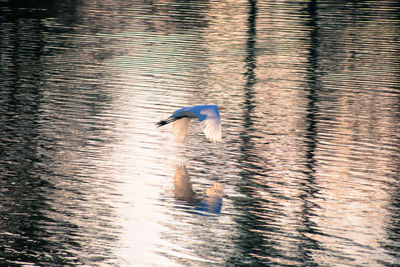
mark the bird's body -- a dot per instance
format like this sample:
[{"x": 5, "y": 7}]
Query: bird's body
[{"x": 208, "y": 116}]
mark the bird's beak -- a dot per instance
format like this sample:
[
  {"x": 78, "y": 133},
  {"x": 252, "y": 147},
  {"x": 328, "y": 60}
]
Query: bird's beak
[{"x": 222, "y": 108}]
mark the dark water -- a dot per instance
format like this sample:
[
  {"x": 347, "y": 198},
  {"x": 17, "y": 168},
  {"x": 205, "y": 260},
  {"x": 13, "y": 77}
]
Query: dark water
[{"x": 307, "y": 173}]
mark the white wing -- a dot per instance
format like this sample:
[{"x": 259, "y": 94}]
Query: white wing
[
  {"x": 211, "y": 125},
  {"x": 180, "y": 128}
]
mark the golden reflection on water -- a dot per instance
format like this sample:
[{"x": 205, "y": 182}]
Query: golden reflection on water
[
  {"x": 182, "y": 185},
  {"x": 183, "y": 190}
]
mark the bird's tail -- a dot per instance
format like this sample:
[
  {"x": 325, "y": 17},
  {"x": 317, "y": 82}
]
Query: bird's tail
[{"x": 163, "y": 122}]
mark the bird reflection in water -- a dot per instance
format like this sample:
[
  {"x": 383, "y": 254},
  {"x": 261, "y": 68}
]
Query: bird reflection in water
[{"x": 183, "y": 190}]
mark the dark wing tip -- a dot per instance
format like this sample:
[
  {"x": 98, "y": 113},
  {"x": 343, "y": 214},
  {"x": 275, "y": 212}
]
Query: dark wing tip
[{"x": 161, "y": 123}]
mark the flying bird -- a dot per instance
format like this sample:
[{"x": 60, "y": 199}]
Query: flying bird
[{"x": 208, "y": 116}]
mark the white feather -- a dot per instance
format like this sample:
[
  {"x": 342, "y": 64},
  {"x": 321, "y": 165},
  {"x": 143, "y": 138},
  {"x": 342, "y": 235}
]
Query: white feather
[
  {"x": 211, "y": 125},
  {"x": 180, "y": 128}
]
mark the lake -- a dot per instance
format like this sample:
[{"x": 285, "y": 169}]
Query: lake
[{"x": 307, "y": 173}]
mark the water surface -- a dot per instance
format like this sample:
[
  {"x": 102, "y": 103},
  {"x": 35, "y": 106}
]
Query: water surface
[{"x": 307, "y": 171}]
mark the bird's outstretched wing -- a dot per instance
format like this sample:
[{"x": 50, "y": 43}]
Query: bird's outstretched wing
[
  {"x": 211, "y": 125},
  {"x": 180, "y": 128}
]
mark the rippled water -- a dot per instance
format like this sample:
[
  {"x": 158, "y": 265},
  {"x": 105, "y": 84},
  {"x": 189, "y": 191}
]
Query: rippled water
[{"x": 307, "y": 173}]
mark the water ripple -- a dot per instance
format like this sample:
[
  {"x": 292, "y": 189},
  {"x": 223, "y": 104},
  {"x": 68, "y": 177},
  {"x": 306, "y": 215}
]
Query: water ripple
[{"x": 310, "y": 147}]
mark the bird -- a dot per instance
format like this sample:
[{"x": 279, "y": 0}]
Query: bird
[{"x": 208, "y": 116}]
